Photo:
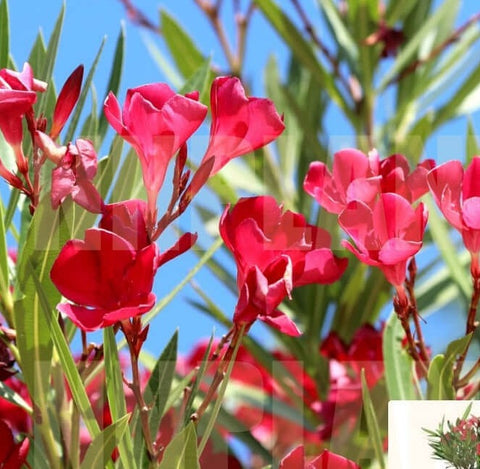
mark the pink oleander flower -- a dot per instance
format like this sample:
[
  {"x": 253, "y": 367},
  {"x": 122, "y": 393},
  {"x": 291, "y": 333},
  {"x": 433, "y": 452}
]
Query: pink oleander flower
[
  {"x": 105, "y": 278},
  {"x": 356, "y": 176},
  {"x": 385, "y": 235},
  {"x": 240, "y": 124},
  {"x": 274, "y": 253},
  {"x": 156, "y": 122},
  {"x": 327, "y": 460},
  {"x": 12, "y": 455},
  {"x": 17, "y": 96},
  {"x": 457, "y": 194},
  {"x": 76, "y": 168}
]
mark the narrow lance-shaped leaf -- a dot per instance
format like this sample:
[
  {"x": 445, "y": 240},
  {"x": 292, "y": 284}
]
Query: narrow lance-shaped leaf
[
  {"x": 116, "y": 396},
  {"x": 99, "y": 453},
  {"x": 4, "y": 34},
  {"x": 83, "y": 96},
  {"x": 182, "y": 48},
  {"x": 398, "y": 364},
  {"x": 440, "y": 373},
  {"x": 372, "y": 423},
  {"x": 114, "y": 80},
  {"x": 50, "y": 57},
  {"x": 181, "y": 453}
]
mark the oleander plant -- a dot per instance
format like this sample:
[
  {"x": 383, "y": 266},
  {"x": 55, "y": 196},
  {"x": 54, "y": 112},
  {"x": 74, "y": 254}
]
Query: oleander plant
[
  {"x": 341, "y": 260},
  {"x": 458, "y": 444}
]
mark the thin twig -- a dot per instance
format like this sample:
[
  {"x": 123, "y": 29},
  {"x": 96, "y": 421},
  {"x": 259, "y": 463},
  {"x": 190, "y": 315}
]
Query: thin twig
[
  {"x": 138, "y": 17},
  {"x": 322, "y": 47},
  {"x": 455, "y": 36}
]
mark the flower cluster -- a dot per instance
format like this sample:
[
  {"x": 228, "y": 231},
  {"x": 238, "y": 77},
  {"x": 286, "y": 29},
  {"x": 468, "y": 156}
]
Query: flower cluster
[
  {"x": 373, "y": 199},
  {"x": 459, "y": 444}
]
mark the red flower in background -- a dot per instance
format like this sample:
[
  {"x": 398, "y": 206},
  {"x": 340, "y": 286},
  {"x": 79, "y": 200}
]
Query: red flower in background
[
  {"x": 386, "y": 235},
  {"x": 12, "y": 455},
  {"x": 274, "y": 253},
  {"x": 156, "y": 122},
  {"x": 239, "y": 124},
  {"x": 106, "y": 279},
  {"x": 327, "y": 460}
]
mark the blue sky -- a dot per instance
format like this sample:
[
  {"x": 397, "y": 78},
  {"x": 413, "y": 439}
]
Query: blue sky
[{"x": 86, "y": 23}]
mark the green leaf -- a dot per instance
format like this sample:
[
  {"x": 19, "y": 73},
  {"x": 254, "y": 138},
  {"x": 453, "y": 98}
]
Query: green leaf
[
  {"x": 114, "y": 80},
  {"x": 11, "y": 396},
  {"x": 472, "y": 148},
  {"x": 199, "y": 81},
  {"x": 68, "y": 365},
  {"x": 184, "y": 52},
  {"x": 303, "y": 51},
  {"x": 48, "y": 63},
  {"x": 410, "y": 50},
  {"x": 116, "y": 395},
  {"x": 4, "y": 278},
  {"x": 156, "y": 395},
  {"x": 83, "y": 96},
  {"x": 440, "y": 373},
  {"x": 163, "y": 64},
  {"x": 221, "y": 392},
  {"x": 47, "y": 233},
  {"x": 90, "y": 126},
  {"x": 181, "y": 453},
  {"x": 99, "y": 452},
  {"x": 398, "y": 364},
  {"x": 396, "y": 11},
  {"x": 107, "y": 167},
  {"x": 372, "y": 423},
  {"x": 129, "y": 180},
  {"x": 4, "y": 35},
  {"x": 198, "y": 379},
  {"x": 38, "y": 54},
  {"x": 342, "y": 35}
]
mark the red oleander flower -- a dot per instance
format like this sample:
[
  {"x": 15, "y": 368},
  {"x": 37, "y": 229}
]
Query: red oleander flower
[
  {"x": 327, "y": 460},
  {"x": 76, "y": 168},
  {"x": 385, "y": 235},
  {"x": 156, "y": 122},
  {"x": 239, "y": 124},
  {"x": 106, "y": 279},
  {"x": 12, "y": 455},
  {"x": 356, "y": 176},
  {"x": 457, "y": 194},
  {"x": 274, "y": 253}
]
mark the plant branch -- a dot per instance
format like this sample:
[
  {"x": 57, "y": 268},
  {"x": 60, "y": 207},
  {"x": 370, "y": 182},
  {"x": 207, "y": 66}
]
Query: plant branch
[
  {"x": 436, "y": 51},
  {"x": 138, "y": 17},
  {"x": 321, "y": 46}
]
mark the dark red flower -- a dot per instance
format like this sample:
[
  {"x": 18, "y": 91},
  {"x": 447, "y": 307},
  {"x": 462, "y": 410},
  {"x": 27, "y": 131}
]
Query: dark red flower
[{"x": 12, "y": 455}]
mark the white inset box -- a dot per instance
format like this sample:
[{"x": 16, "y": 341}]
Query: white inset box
[{"x": 408, "y": 446}]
